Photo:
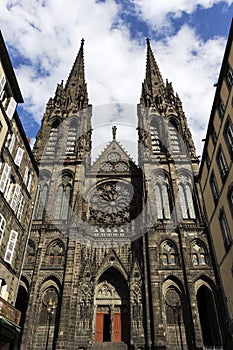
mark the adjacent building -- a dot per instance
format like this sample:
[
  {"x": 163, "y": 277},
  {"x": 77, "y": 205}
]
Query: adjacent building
[
  {"x": 118, "y": 255},
  {"x": 216, "y": 176},
  {"x": 18, "y": 185}
]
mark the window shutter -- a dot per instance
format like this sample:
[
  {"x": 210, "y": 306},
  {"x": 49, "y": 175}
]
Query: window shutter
[
  {"x": 2, "y": 83},
  {"x": 11, "y": 146},
  {"x": 25, "y": 175},
  {"x": 2, "y": 226},
  {"x": 15, "y": 197},
  {"x": 11, "y": 246},
  {"x": 4, "y": 177},
  {"x": 21, "y": 206},
  {"x": 11, "y": 108},
  {"x": 19, "y": 156},
  {"x": 29, "y": 182}
]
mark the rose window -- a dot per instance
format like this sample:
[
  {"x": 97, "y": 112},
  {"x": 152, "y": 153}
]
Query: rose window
[{"x": 112, "y": 203}]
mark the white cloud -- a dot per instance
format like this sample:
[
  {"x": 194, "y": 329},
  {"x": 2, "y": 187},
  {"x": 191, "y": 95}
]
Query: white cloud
[
  {"x": 48, "y": 34},
  {"x": 158, "y": 13}
]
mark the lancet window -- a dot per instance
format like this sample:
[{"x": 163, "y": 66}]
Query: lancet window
[
  {"x": 63, "y": 199},
  {"x": 162, "y": 197},
  {"x": 186, "y": 197},
  {"x": 169, "y": 254},
  {"x": 155, "y": 137},
  {"x": 71, "y": 137},
  {"x": 174, "y": 136},
  {"x": 199, "y": 253},
  {"x": 53, "y": 138}
]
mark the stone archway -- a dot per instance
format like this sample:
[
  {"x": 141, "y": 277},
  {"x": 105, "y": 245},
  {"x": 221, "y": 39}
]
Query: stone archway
[
  {"x": 208, "y": 317},
  {"x": 111, "y": 308}
]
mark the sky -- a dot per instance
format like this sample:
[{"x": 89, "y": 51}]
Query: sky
[{"x": 188, "y": 39}]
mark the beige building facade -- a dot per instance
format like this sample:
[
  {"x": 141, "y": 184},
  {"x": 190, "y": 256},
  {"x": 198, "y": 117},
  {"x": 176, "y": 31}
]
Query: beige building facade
[
  {"x": 18, "y": 186},
  {"x": 216, "y": 177}
]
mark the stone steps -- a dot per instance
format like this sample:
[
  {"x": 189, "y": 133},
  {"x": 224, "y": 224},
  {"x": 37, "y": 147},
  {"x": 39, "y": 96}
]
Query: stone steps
[{"x": 109, "y": 346}]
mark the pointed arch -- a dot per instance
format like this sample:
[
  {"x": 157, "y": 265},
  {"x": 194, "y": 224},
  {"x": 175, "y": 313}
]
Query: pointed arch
[
  {"x": 185, "y": 192},
  {"x": 55, "y": 252},
  {"x": 174, "y": 135},
  {"x": 61, "y": 211},
  {"x": 162, "y": 196},
  {"x": 199, "y": 253},
  {"x": 155, "y": 136},
  {"x": 169, "y": 253},
  {"x": 71, "y": 137},
  {"x": 53, "y": 138}
]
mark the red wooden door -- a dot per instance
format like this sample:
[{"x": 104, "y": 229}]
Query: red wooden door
[
  {"x": 99, "y": 327},
  {"x": 125, "y": 327},
  {"x": 117, "y": 327}
]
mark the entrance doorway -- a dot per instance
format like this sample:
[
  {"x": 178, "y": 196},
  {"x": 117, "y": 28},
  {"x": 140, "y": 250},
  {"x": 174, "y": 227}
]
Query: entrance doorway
[{"x": 112, "y": 308}]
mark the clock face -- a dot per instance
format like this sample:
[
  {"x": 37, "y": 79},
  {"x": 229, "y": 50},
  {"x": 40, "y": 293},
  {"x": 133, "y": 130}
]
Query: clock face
[
  {"x": 121, "y": 166},
  {"x": 114, "y": 157},
  {"x": 106, "y": 166}
]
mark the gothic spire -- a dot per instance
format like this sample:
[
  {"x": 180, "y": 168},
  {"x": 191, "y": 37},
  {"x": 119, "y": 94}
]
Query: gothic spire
[
  {"x": 75, "y": 87},
  {"x": 153, "y": 85}
]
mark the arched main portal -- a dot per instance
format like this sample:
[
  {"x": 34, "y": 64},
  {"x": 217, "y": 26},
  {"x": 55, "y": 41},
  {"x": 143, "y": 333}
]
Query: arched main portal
[
  {"x": 112, "y": 308},
  {"x": 208, "y": 317}
]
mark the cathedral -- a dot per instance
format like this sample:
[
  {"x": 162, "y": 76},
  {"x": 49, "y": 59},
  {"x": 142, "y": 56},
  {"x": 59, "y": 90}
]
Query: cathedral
[{"x": 119, "y": 254}]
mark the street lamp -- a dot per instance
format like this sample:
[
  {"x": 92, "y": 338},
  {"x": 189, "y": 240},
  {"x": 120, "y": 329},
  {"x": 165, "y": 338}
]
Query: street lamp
[
  {"x": 51, "y": 307},
  {"x": 177, "y": 316}
]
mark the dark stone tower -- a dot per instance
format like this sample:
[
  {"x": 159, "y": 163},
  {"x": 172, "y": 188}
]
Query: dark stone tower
[{"x": 118, "y": 252}]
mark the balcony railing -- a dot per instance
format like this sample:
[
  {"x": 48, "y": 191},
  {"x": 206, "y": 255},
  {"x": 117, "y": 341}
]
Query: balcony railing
[{"x": 9, "y": 312}]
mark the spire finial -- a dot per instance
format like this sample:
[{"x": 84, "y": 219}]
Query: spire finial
[{"x": 114, "y": 129}]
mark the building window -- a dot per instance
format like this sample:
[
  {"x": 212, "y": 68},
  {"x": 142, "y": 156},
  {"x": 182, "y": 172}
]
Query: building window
[
  {"x": 169, "y": 254},
  {"x": 53, "y": 138},
  {"x": 213, "y": 135},
  {"x": 11, "y": 247},
  {"x": 226, "y": 234},
  {"x": 207, "y": 158},
  {"x": 71, "y": 138},
  {"x": 5, "y": 177},
  {"x": 2, "y": 84},
  {"x": 56, "y": 252},
  {"x": 199, "y": 253},
  {"x": 11, "y": 107},
  {"x": 186, "y": 198},
  {"x": 155, "y": 139},
  {"x": 162, "y": 198},
  {"x": 228, "y": 134},
  {"x": 20, "y": 206},
  {"x": 2, "y": 226},
  {"x": 30, "y": 257},
  {"x": 12, "y": 142},
  {"x": 174, "y": 136},
  {"x": 41, "y": 202},
  {"x": 62, "y": 202},
  {"x": 15, "y": 197},
  {"x": 214, "y": 187},
  {"x": 19, "y": 156},
  {"x": 221, "y": 109},
  {"x": 229, "y": 77},
  {"x": 222, "y": 164},
  {"x": 230, "y": 198}
]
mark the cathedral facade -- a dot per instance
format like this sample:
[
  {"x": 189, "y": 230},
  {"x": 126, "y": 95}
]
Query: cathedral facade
[{"x": 119, "y": 256}]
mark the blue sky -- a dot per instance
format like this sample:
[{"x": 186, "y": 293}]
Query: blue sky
[{"x": 188, "y": 39}]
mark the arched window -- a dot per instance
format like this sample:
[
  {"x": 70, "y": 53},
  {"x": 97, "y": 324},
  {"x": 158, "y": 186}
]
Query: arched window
[
  {"x": 56, "y": 252},
  {"x": 63, "y": 199},
  {"x": 186, "y": 198},
  {"x": 30, "y": 257},
  {"x": 41, "y": 202},
  {"x": 199, "y": 253},
  {"x": 174, "y": 136},
  {"x": 71, "y": 138},
  {"x": 169, "y": 253},
  {"x": 53, "y": 137},
  {"x": 155, "y": 138},
  {"x": 2, "y": 226},
  {"x": 162, "y": 197}
]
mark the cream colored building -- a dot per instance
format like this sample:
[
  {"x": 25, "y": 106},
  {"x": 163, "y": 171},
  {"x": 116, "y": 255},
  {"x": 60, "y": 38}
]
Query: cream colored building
[{"x": 216, "y": 174}]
